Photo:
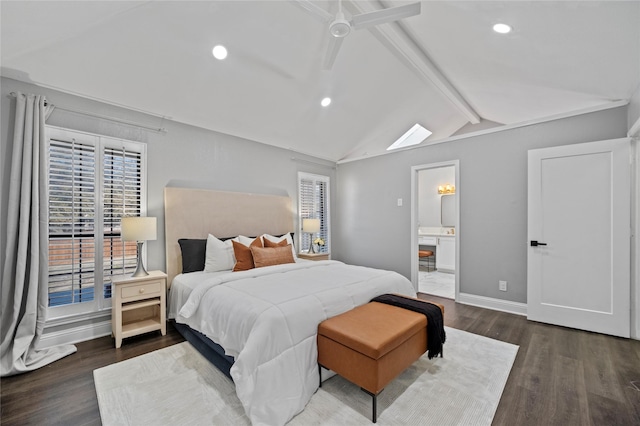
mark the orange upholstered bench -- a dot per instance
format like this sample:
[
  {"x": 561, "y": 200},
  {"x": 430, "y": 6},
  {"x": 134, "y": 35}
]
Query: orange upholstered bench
[{"x": 372, "y": 344}]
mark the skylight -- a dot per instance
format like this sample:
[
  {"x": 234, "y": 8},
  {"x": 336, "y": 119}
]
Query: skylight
[{"x": 414, "y": 136}]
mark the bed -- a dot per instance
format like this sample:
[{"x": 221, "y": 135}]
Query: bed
[{"x": 259, "y": 326}]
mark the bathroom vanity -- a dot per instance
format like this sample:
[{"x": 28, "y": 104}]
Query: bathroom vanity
[{"x": 443, "y": 242}]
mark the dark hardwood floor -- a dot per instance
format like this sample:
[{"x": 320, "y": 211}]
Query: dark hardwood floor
[{"x": 560, "y": 376}]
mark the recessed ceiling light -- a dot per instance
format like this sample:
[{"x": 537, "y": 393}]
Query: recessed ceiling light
[
  {"x": 325, "y": 102},
  {"x": 219, "y": 52},
  {"x": 502, "y": 28}
]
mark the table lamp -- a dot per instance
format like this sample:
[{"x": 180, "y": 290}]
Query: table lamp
[
  {"x": 138, "y": 229},
  {"x": 311, "y": 226}
]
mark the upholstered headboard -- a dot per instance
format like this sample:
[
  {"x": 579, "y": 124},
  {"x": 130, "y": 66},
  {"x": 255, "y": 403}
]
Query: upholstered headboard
[{"x": 195, "y": 213}]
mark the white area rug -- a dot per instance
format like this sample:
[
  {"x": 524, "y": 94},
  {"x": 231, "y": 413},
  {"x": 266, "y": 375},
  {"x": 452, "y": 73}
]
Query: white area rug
[{"x": 176, "y": 385}]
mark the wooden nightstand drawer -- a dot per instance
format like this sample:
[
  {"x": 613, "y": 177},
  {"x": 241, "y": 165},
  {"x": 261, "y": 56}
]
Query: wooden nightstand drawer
[{"x": 145, "y": 289}]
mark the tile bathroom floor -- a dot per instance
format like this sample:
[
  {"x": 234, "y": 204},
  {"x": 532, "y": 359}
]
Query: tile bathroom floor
[{"x": 437, "y": 283}]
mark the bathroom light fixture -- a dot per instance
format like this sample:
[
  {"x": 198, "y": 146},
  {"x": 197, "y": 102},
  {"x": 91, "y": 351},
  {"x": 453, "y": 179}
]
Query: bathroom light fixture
[
  {"x": 446, "y": 189},
  {"x": 325, "y": 102},
  {"x": 502, "y": 28},
  {"x": 219, "y": 52}
]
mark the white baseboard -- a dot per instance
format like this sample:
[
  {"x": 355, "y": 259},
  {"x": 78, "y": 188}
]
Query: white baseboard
[
  {"x": 494, "y": 304},
  {"x": 74, "y": 333}
]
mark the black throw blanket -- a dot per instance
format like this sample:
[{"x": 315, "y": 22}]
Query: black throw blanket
[{"x": 435, "y": 323}]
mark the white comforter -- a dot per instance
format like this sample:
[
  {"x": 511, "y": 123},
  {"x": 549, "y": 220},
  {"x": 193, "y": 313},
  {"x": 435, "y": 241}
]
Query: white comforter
[{"x": 267, "y": 319}]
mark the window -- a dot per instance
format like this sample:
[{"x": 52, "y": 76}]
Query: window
[
  {"x": 413, "y": 136},
  {"x": 93, "y": 182},
  {"x": 313, "y": 203}
]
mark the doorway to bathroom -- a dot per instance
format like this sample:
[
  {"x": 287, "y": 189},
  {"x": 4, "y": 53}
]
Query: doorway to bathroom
[{"x": 435, "y": 248}]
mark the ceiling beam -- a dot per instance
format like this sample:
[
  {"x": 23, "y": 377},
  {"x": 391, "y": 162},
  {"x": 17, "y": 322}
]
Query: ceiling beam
[{"x": 394, "y": 37}]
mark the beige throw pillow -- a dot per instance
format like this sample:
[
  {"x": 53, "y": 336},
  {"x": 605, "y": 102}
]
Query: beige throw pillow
[
  {"x": 279, "y": 240},
  {"x": 272, "y": 256}
]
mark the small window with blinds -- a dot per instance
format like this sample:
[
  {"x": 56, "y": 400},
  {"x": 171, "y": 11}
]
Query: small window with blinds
[
  {"x": 313, "y": 203},
  {"x": 93, "y": 182}
]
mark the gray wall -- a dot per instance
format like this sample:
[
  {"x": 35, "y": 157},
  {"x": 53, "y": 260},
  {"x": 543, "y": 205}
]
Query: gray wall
[
  {"x": 372, "y": 230},
  {"x": 184, "y": 156}
]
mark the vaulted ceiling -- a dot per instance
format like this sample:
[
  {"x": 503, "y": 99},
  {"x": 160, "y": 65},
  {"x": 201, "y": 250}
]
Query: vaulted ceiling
[{"x": 444, "y": 68}]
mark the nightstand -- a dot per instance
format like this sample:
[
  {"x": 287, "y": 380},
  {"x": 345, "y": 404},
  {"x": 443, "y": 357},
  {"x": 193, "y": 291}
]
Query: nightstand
[
  {"x": 314, "y": 256},
  {"x": 138, "y": 305}
]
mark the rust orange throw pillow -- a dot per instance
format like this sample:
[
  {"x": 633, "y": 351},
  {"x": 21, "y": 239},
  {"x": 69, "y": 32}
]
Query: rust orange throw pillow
[
  {"x": 244, "y": 258},
  {"x": 269, "y": 243},
  {"x": 272, "y": 255}
]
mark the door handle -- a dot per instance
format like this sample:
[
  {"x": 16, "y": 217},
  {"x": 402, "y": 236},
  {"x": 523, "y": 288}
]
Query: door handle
[{"x": 534, "y": 243}]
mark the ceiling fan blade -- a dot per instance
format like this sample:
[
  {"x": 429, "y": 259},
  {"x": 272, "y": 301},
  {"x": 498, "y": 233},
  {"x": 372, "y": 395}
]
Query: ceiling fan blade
[
  {"x": 314, "y": 9},
  {"x": 365, "y": 20},
  {"x": 332, "y": 52}
]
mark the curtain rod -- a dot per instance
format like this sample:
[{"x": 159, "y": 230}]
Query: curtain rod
[{"x": 104, "y": 117}]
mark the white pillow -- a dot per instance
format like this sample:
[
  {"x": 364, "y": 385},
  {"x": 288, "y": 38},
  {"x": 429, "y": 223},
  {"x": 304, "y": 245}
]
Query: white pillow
[
  {"x": 286, "y": 236},
  {"x": 219, "y": 255},
  {"x": 244, "y": 240}
]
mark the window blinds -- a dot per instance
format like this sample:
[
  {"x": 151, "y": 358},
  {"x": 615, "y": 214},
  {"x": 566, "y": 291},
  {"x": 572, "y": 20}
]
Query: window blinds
[
  {"x": 92, "y": 184},
  {"x": 72, "y": 220},
  {"x": 313, "y": 202},
  {"x": 122, "y": 174}
]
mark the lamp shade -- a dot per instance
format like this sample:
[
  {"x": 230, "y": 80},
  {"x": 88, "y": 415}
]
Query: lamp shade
[
  {"x": 311, "y": 225},
  {"x": 138, "y": 228}
]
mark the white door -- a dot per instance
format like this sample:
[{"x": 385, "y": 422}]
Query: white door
[{"x": 578, "y": 272}]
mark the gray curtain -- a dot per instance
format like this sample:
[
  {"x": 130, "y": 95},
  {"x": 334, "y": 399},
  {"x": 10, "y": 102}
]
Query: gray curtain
[{"x": 25, "y": 275}]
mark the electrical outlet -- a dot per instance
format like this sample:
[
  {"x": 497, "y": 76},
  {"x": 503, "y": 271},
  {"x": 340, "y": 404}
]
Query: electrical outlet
[
  {"x": 502, "y": 285},
  {"x": 399, "y": 202}
]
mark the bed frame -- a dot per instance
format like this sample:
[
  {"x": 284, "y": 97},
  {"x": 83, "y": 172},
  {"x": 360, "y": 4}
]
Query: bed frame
[{"x": 196, "y": 213}]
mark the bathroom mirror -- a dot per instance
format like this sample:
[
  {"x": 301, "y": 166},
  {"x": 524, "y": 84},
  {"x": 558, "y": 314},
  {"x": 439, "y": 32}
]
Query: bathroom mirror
[{"x": 448, "y": 212}]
